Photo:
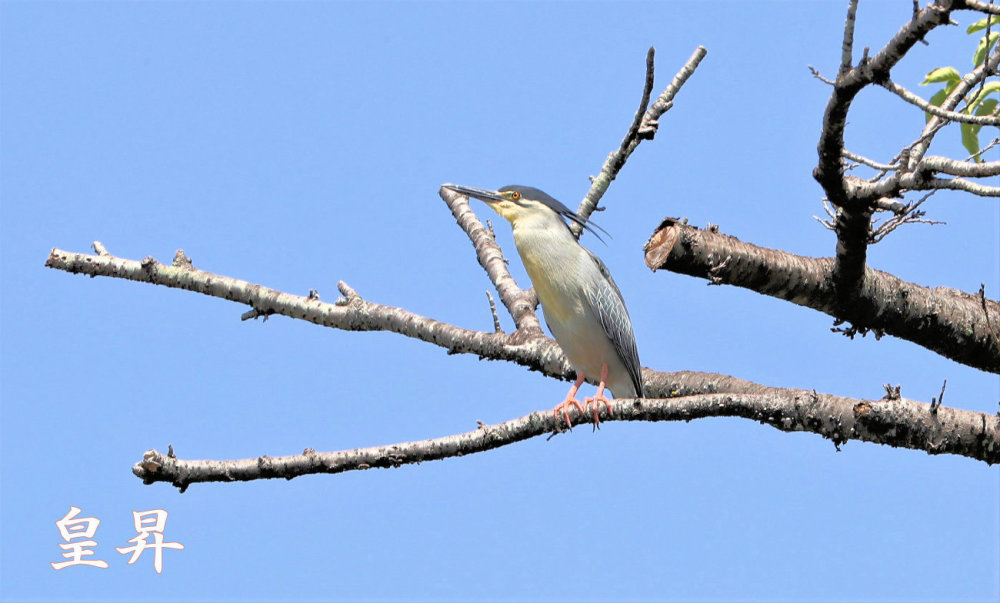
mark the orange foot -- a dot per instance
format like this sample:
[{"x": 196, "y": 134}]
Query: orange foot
[
  {"x": 600, "y": 398},
  {"x": 570, "y": 401}
]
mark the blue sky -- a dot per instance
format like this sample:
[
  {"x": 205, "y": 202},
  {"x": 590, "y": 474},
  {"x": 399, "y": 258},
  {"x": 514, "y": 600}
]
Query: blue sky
[{"x": 298, "y": 144}]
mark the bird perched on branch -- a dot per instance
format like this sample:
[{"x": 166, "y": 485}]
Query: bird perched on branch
[{"x": 582, "y": 304}]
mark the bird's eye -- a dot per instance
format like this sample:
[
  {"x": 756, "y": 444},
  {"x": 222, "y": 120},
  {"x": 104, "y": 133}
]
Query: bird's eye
[{"x": 515, "y": 195}]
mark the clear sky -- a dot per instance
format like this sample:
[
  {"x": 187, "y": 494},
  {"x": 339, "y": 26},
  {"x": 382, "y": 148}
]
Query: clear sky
[{"x": 298, "y": 144}]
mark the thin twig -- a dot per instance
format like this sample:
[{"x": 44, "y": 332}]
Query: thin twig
[
  {"x": 989, "y": 146},
  {"x": 493, "y": 310},
  {"x": 870, "y": 163},
  {"x": 986, "y": 313},
  {"x": 647, "y": 129},
  {"x": 816, "y": 74},
  {"x": 936, "y": 402},
  {"x": 616, "y": 161},
  {"x": 908, "y": 215}
]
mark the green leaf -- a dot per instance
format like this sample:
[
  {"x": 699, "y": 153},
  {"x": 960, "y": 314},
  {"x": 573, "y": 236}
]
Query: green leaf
[
  {"x": 988, "y": 89},
  {"x": 970, "y": 139},
  {"x": 942, "y": 74},
  {"x": 981, "y": 24},
  {"x": 938, "y": 99},
  {"x": 987, "y": 107},
  {"x": 985, "y": 45}
]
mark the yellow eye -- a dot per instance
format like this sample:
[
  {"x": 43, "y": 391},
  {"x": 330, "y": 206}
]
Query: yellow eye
[{"x": 515, "y": 195}]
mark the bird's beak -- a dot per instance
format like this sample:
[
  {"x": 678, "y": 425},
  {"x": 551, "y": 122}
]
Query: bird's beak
[{"x": 475, "y": 193}]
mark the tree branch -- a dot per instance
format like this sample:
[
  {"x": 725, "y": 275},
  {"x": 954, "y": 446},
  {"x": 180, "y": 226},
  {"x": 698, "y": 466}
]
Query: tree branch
[
  {"x": 983, "y": 7},
  {"x": 849, "y": 83},
  {"x": 840, "y": 419},
  {"x": 916, "y": 183},
  {"x": 895, "y": 422},
  {"x": 519, "y": 302},
  {"x": 866, "y": 161},
  {"x": 643, "y": 127},
  {"x": 946, "y": 321},
  {"x": 847, "y": 47},
  {"x": 944, "y": 165},
  {"x": 855, "y": 199},
  {"x": 917, "y": 150},
  {"x": 982, "y": 120},
  {"x": 350, "y": 313}
]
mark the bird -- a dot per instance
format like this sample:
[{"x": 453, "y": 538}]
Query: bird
[{"x": 583, "y": 306}]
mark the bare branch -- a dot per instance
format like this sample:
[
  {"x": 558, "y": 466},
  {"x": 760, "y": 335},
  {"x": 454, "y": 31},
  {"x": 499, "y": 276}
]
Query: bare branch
[
  {"x": 850, "y": 82},
  {"x": 982, "y": 7},
  {"x": 816, "y": 74},
  {"x": 987, "y": 147},
  {"x": 646, "y": 130},
  {"x": 898, "y": 422},
  {"x": 351, "y": 313},
  {"x": 915, "y": 182},
  {"x": 908, "y": 214},
  {"x": 855, "y": 209},
  {"x": 894, "y": 205},
  {"x": 870, "y": 163},
  {"x": 943, "y": 320},
  {"x": 944, "y": 165},
  {"x": 493, "y": 311},
  {"x": 939, "y": 400},
  {"x": 983, "y": 120},
  {"x": 519, "y": 302},
  {"x": 846, "y": 58}
]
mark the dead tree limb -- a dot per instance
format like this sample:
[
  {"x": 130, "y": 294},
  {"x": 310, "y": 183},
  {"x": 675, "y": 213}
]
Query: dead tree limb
[{"x": 949, "y": 322}]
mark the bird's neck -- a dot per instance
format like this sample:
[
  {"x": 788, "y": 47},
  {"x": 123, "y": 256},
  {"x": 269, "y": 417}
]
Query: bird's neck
[{"x": 551, "y": 256}]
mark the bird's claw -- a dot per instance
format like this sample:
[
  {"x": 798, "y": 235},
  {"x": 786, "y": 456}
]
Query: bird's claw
[
  {"x": 562, "y": 406},
  {"x": 596, "y": 401}
]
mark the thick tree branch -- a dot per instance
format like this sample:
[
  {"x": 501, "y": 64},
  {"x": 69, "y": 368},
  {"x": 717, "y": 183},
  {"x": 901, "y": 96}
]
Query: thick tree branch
[
  {"x": 894, "y": 422},
  {"x": 643, "y": 127},
  {"x": 946, "y": 321}
]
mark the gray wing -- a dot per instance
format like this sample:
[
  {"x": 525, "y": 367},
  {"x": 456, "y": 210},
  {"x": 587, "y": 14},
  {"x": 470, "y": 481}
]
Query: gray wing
[{"x": 608, "y": 304}]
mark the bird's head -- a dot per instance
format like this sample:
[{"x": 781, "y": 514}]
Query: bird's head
[{"x": 516, "y": 203}]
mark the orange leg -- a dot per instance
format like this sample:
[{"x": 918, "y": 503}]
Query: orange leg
[
  {"x": 600, "y": 398},
  {"x": 570, "y": 401}
]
